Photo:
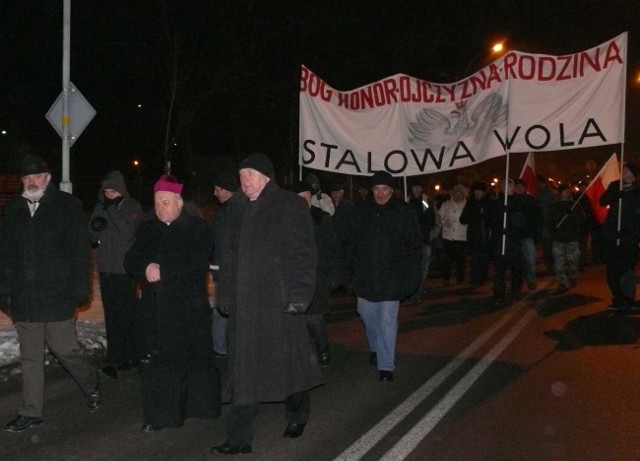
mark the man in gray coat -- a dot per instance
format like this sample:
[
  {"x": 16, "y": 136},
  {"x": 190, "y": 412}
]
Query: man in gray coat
[
  {"x": 268, "y": 281},
  {"x": 44, "y": 263},
  {"x": 113, "y": 226}
]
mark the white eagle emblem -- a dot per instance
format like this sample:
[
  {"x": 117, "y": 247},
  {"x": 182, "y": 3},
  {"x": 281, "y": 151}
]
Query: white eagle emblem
[{"x": 433, "y": 129}]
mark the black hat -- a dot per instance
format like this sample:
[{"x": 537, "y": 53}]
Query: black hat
[
  {"x": 302, "y": 186},
  {"x": 226, "y": 180},
  {"x": 33, "y": 164},
  {"x": 258, "y": 162},
  {"x": 634, "y": 168},
  {"x": 479, "y": 185},
  {"x": 382, "y": 178},
  {"x": 415, "y": 181},
  {"x": 336, "y": 186}
]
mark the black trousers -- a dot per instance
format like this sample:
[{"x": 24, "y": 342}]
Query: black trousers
[
  {"x": 620, "y": 260},
  {"x": 240, "y": 424},
  {"x": 511, "y": 261},
  {"x": 454, "y": 251},
  {"x": 119, "y": 303}
]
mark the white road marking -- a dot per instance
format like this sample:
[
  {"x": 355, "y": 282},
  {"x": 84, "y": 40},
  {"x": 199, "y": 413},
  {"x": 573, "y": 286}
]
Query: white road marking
[
  {"x": 408, "y": 443},
  {"x": 368, "y": 440}
]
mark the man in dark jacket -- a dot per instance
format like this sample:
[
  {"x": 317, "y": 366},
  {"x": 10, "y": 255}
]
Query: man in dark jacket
[
  {"x": 267, "y": 283},
  {"x": 532, "y": 214},
  {"x": 507, "y": 230},
  {"x": 113, "y": 226},
  {"x": 170, "y": 259},
  {"x": 44, "y": 259},
  {"x": 620, "y": 243},
  {"x": 430, "y": 226},
  {"x": 477, "y": 215},
  {"x": 327, "y": 273},
  {"x": 225, "y": 186},
  {"x": 565, "y": 222},
  {"x": 385, "y": 253}
]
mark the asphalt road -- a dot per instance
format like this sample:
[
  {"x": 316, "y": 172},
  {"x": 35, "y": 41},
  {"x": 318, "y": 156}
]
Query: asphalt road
[{"x": 550, "y": 377}]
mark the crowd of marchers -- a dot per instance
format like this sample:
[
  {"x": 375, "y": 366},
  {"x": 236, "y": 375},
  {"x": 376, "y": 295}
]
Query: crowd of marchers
[{"x": 275, "y": 255}]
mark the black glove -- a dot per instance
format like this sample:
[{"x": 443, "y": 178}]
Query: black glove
[
  {"x": 223, "y": 310},
  {"x": 295, "y": 309},
  {"x": 98, "y": 224}
]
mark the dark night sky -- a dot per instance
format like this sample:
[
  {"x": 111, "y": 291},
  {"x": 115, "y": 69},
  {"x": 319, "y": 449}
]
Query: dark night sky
[{"x": 243, "y": 58}]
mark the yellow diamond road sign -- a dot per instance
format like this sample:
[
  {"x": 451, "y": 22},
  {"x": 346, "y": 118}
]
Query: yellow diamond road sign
[{"x": 80, "y": 114}]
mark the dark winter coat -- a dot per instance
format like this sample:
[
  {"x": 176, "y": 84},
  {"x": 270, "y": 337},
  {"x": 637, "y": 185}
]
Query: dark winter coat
[
  {"x": 329, "y": 262},
  {"x": 122, "y": 220},
  {"x": 45, "y": 259},
  {"x": 477, "y": 215},
  {"x": 566, "y": 221},
  {"x": 386, "y": 250},
  {"x": 427, "y": 218},
  {"x": 531, "y": 212},
  {"x": 516, "y": 222},
  {"x": 630, "y": 219},
  {"x": 175, "y": 317},
  {"x": 271, "y": 261}
]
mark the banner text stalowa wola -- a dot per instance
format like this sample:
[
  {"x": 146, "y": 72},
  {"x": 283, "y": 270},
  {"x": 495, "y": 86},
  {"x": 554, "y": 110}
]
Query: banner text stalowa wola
[{"x": 519, "y": 103}]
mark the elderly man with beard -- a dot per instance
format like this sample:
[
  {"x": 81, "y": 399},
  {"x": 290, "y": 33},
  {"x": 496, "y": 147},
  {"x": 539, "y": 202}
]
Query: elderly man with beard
[
  {"x": 267, "y": 282},
  {"x": 170, "y": 260},
  {"x": 44, "y": 258}
]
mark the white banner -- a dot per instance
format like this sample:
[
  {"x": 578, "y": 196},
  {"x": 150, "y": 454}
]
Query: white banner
[{"x": 521, "y": 102}]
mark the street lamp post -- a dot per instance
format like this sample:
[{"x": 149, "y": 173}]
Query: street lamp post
[{"x": 496, "y": 49}]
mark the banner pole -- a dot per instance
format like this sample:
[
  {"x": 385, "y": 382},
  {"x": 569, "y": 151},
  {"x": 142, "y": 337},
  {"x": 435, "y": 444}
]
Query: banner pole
[
  {"x": 624, "y": 122},
  {"x": 506, "y": 194}
]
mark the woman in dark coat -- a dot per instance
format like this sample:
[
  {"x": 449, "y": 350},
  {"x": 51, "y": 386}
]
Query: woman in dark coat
[
  {"x": 170, "y": 260},
  {"x": 269, "y": 268}
]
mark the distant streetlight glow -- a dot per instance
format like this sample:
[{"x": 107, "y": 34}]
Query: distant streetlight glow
[
  {"x": 498, "y": 47},
  {"x": 136, "y": 163},
  {"x": 139, "y": 106},
  {"x": 496, "y": 180},
  {"x": 437, "y": 187},
  {"x": 3, "y": 131}
]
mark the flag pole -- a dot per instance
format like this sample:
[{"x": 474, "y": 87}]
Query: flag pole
[
  {"x": 506, "y": 194},
  {"x": 624, "y": 112}
]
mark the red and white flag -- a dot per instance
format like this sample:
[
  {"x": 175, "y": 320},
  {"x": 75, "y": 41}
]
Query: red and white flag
[
  {"x": 609, "y": 173},
  {"x": 528, "y": 173}
]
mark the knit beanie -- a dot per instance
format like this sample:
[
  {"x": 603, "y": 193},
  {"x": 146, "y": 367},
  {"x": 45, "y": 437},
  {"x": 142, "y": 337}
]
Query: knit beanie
[
  {"x": 258, "y": 162},
  {"x": 226, "y": 180},
  {"x": 382, "y": 178}
]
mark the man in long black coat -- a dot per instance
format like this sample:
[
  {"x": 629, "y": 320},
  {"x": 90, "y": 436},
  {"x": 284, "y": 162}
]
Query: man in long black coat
[
  {"x": 267, "y": 279},
  {"x": 44, "y": 278},
  {"x": 170, "y": 259},
  {"x": 328, "y": 272}
]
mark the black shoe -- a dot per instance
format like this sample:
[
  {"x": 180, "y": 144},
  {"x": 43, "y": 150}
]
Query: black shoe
[
  {"x": 110, "y": 371},
  {"x": 151, "y": 428},
  {"x": 373, "y": 359},
  {"x": 293, "y": 430},
  {"x": 325, "y": 357},
  {"x": 220, "y": 355},
  {"x": 94, "y": 399},
  {"x": 227, "y": 449},
  {"x": 20, "y": 423},
  {"x": 386, "y": 375}
]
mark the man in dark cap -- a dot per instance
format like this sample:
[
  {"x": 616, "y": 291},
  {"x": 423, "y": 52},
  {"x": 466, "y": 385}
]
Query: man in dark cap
[
  {"x": 112, "y": 228},
  {"x": 532, "y": 228},
  {"x": 620, "y": 241},
  {"x": 385, "y": 250},
  {"x": 44, "y": 259},
  {"x": 170, "y": 260},
  {"x": 430, "y": 226},
  {"x": 225, "y": 185},
  {"x": 328, "y": 272},
  {"x": 477, "y": 215},
  {"x": 267, "y": 283},
  {"x": 341, "y": 219}
]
